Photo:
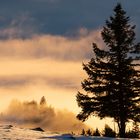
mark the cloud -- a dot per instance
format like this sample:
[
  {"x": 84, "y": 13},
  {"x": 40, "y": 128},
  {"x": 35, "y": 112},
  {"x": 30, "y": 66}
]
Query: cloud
[
  {"x": 22, "y": 26},
  {"x": 8, "y": 82},
  {"x": 16, "y": 82},
  {"x": 51, "y": 60},
  {"x": 52, "y": 46},
  {"x": 32, "y": 114},
  {"x": 59, "y": 17}
]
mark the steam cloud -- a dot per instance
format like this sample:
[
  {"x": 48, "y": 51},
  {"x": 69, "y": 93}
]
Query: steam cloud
[{"x": 32, "y": 114}]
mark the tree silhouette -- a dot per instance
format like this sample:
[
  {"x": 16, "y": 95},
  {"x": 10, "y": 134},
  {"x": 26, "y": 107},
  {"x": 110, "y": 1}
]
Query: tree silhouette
[
  {"x": 83, "y": 132},
  {"x": 108, "y": 132},
  {"x": 113, "y": 83},
  {"x": 43, "y": 101},
  {"x": 97, "y": 132},
  {"x": 89, "y": 132}
]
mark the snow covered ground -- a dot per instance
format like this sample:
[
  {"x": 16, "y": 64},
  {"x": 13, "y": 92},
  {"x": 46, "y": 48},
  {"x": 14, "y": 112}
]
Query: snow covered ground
[{"x": 8, "y": 132}]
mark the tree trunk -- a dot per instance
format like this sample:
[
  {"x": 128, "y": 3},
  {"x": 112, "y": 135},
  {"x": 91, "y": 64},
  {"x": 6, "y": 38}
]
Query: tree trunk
[{"x": 122, "y": 127}]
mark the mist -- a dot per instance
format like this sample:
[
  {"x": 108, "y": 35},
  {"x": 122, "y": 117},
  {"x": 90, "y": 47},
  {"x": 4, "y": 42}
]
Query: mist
[{"x": 32, "y": 114}]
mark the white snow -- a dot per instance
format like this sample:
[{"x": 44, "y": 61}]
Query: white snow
[{"x": 7, "y": 132}]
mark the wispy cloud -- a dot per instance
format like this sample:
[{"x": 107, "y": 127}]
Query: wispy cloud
[
  {"x": 51, "y": 46},
  {"x": 23, "y": 26},
  {"x": 51, "y": 60},
  {"x": 15, "y": 82}
]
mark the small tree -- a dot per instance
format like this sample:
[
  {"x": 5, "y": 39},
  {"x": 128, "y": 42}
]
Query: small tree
[
  {"x": 43, "y": 101},
  {"x": 89, "y": 132},
  {"x": 96, "y": 133},
  {"x": 113, "y": 83},
  {"x": 108, "y": 132},
  {"x": 83, "y": 132}
]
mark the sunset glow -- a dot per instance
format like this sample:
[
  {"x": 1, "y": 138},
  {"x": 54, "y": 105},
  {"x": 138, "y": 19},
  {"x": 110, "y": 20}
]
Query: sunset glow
[{"x": 42, "y": 47}]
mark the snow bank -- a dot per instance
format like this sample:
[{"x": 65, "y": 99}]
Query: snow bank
[{"x": 9, "y": 132}]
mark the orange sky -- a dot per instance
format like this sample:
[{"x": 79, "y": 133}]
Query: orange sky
[
  {"x": 46, "y": 65},
  {"x": 43, "y": 45}
]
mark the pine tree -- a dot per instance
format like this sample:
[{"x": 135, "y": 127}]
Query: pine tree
[
  {"x": 113, "y": 84},
  {"x": 83, "y": 132},
  {"x": 108, "y": 132},
  {"x": 42, "y": 101},
  {"x": 97, "y": 132},
  {"x": 89, "y": 132}
]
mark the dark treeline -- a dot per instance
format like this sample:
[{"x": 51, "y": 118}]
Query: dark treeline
[{"x": 109, "y": 132}]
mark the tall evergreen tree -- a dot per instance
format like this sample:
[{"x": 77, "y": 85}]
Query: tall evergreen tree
[{"x": 113, "y": 83}]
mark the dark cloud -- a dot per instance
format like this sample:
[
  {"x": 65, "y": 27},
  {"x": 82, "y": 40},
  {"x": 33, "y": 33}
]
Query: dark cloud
[
  {"x": 64, "y": 83},
  {"x": 13, "y": 82},
  {"x": 60, "y": 16},
  {"x": 22, "y": 26},
  {"x": 10, "y": 82}
]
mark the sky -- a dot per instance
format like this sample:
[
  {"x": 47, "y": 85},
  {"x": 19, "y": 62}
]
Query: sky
[{"x": 43, "y": 44}]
